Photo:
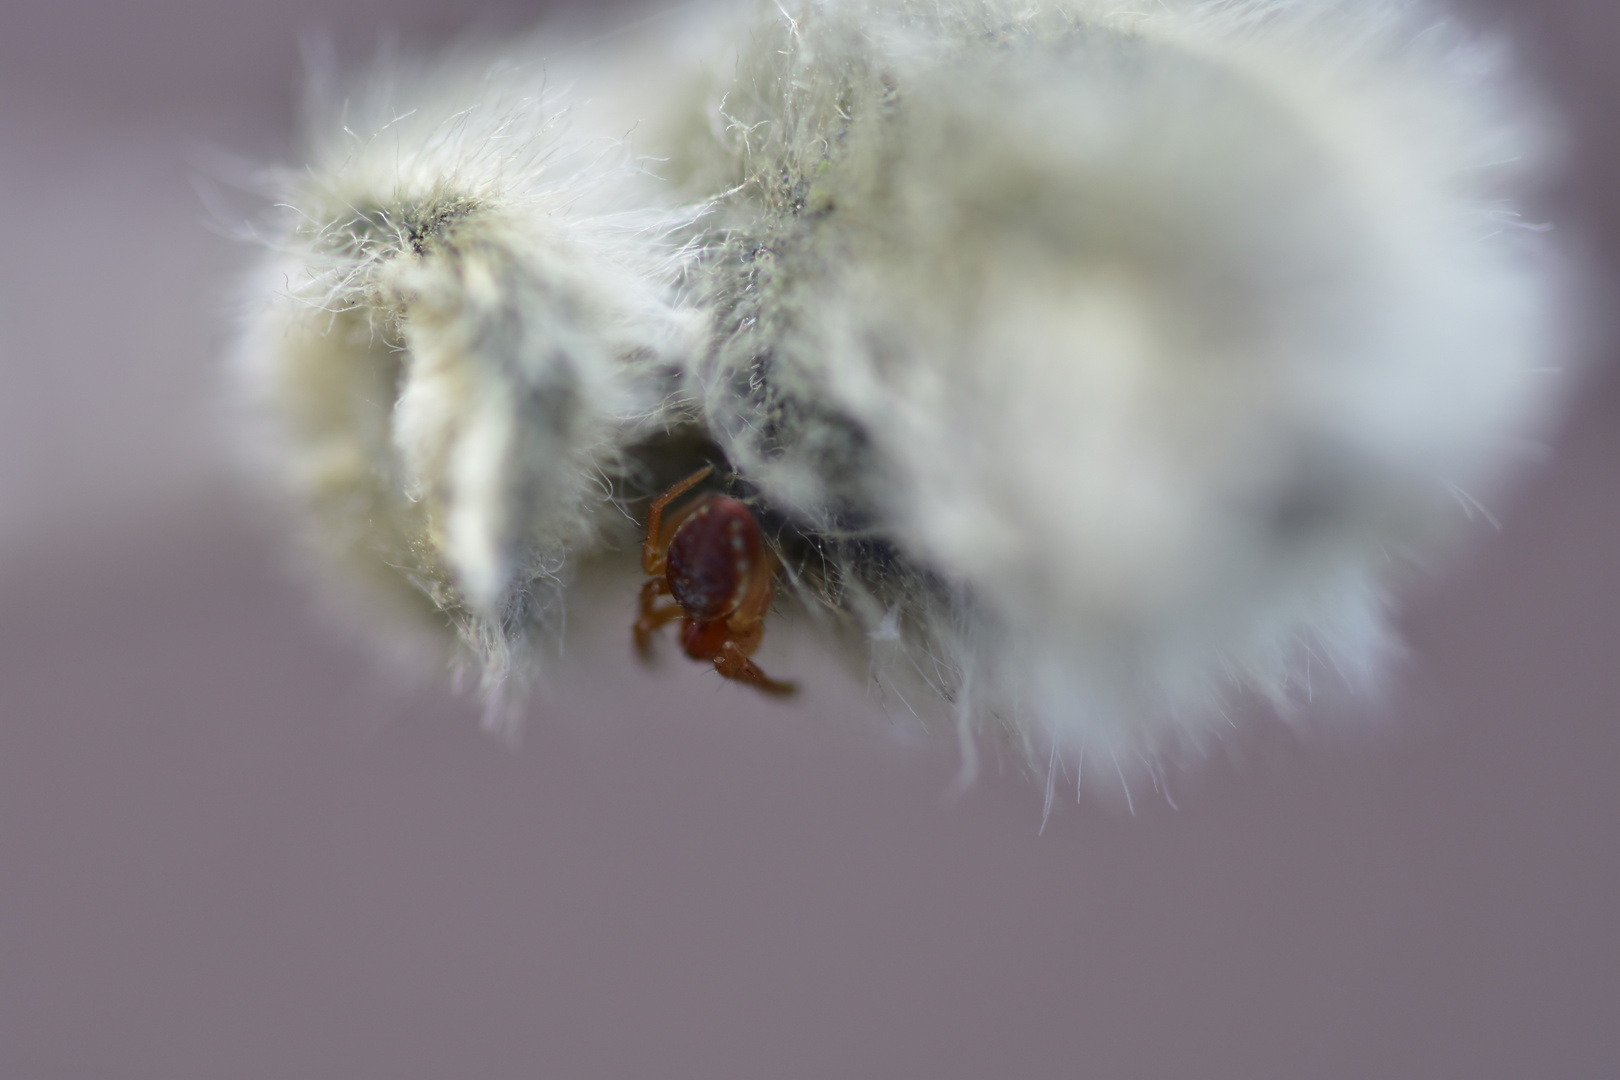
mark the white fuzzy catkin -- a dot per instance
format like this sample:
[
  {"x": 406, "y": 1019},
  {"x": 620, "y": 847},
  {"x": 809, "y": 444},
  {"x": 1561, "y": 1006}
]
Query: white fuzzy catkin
[
  {"x": 472, "y": 317},
  {"x": 1097, "y": 363}
]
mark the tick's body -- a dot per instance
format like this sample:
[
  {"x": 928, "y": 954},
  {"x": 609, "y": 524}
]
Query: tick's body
[{"x": 711, "y": 560}]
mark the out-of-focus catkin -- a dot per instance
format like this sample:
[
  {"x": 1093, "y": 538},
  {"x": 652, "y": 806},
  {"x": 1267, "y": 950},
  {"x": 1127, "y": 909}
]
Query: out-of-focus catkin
[{"x": 1100, "y": 362}]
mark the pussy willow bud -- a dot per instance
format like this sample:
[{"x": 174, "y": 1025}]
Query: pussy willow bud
[{"x": 1093, "y": 365}]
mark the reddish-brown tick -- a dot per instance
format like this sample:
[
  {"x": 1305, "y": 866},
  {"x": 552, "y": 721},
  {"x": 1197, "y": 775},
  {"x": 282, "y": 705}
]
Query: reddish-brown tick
[{"x": 711, "y": 560}]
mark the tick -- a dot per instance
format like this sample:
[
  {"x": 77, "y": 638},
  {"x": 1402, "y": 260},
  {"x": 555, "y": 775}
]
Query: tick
[{"x": 712, "y": 562}]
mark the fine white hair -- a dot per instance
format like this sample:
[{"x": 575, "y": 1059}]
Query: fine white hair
[
  {"x": 471, "y": 317},
  {"x": 1096, "y": 365}
]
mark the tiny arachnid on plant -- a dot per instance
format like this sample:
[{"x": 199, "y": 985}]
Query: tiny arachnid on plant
[{"x": 713, "y": 562}]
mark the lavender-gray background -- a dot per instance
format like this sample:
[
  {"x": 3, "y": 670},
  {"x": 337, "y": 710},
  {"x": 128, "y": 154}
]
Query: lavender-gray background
[{"x": 228, "y": 852}]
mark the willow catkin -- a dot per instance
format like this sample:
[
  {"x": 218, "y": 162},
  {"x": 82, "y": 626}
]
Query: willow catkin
[{"x": 1097, "y": 364}]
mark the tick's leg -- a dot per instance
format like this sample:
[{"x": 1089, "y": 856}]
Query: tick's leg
[
  {"x": 734, "y": 664},
  {"x": 653, "y": 617},
  {"x": 655, "y": 546},
  {"x": 732, "y": 659}
]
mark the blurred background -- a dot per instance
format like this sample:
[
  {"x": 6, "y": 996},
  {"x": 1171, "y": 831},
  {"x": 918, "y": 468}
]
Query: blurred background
[{"x": 229, "y": 847}]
